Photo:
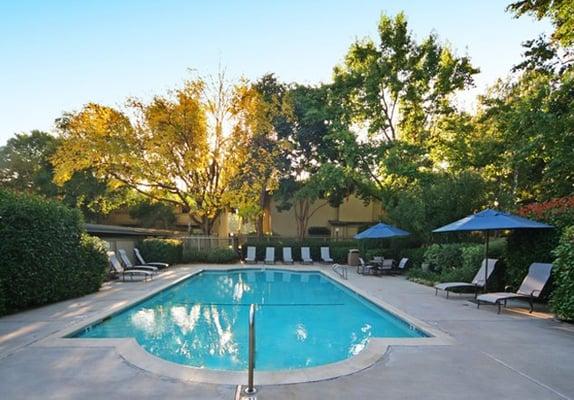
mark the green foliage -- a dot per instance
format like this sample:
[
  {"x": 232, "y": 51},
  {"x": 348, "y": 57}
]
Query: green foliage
[
  {"x": 562, "y": 298},
  {"x": 525, "y": 247},
  {"x": 456, "y": 262},
  {"x": 217, "y": 255},
  {"x": 46, "y": 255},
  {"x": 153, "y": 214},
  {"x": 162, "y": 250}
]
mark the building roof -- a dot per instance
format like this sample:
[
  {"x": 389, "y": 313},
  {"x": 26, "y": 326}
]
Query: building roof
[{"x": 110, "y": 230}]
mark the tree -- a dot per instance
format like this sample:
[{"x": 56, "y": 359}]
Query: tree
[
  {"x": 560, "y": 12},
  {"x": 153, "y": 214},
  {"x": 397, "y": 87},
  {"x": 24, "y": 162},
  {"x": 175, "y": 149},
  {"x": 262, "y": 111},
  {"x": 25, "y": 166}
]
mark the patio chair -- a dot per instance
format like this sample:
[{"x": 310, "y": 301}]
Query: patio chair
[
  {"x": 306, "y": 255},
  {"x": 269, "y": 255},
  {"x": 251, "y": 255},
  {"x": 387, "y": 266},
  {"x": 119, "y": 270},
  {"x": 530, "y": 289},
  {"x": 325, "y": 256},
  {"x": 367, "y": 269},
  {"x": 402, "y": 266},
  {"x": 287, "y": 255},
  {"x": 128, "y": 264},
  {"x": 476, "y": 284},
  {"x": 140, "y": 260}
]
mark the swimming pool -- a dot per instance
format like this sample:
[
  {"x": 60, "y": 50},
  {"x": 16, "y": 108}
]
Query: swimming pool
[{"x": 303, "y": 319}]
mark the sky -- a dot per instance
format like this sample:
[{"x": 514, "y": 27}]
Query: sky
[{"x": 58, "y": 55}]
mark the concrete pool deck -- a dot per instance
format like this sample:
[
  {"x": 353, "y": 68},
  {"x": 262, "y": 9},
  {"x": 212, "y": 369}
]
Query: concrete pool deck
[{"x": 508, "y": 356}]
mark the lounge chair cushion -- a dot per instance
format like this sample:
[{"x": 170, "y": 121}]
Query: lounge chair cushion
[
  {"x": 495, "y": 297},
  {"x": 453, "y": 285}
]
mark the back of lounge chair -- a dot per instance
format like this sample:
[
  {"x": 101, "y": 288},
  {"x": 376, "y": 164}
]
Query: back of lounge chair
[
  {"x": 538, "y": 275},
  {"x": 306, "y": 255},
  {"x": 141, "y": 260},
  {"x": 403, "y": 263},
  {"x": 270, "y": 255},
  {"x": 118, "y": 269},
  {"x": 128, "y": 264},
  {"x": 287, "y": 255},
  {"x": 478, "y": 279},
  {"x": 251, "y": 251},
  {"x": 325, "y": 256}
]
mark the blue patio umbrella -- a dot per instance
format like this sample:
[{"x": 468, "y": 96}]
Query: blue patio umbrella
[
  {"x": 381, "y": 231},
  {"x": 491, "y": 220}
]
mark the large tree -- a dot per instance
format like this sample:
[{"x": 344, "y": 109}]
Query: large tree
[
  {"x": 180, "y": 148},
  {"x": 396, "y": 87}
]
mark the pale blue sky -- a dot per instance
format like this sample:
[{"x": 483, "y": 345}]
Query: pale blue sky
[{"x": 58, "y": 55}]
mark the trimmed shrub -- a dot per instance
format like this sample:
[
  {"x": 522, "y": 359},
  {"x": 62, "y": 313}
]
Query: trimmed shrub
[
  {"x": 562, "y": 299},
  {"x": 162, "y": 250},
  {"x": 217, "y": 255},
  {"x": 444, "y": 257},
  {"x": 46, "y": 255}
]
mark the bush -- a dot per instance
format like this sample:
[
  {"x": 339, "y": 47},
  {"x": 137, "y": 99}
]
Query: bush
[
  {"x": 46, "y": 255},
  {"x": 217, "y": 255},
  {"x": 562, "y": 298},
  {"x": 444, "y": 257},
  {"x": 162, "y": 250}
]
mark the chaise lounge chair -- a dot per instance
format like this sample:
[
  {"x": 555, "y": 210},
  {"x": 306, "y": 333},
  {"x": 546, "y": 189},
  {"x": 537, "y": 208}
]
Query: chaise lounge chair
[
  {"x": 402, "y": 265},
  {"x": 325, "y": 256},
  {"x": 269, "y": 255},
  {"x": 476, "y": 284},
  {"x": 251, "y": 255},
  {"x": 530, "y": 289},
  {"x": 306, "y": 255},
  {"x": 119, "y": 270},
  {"x": 287, "y": 255},
  {"x": 128, "y": 264},
  {"x": 140, "y": 260}
]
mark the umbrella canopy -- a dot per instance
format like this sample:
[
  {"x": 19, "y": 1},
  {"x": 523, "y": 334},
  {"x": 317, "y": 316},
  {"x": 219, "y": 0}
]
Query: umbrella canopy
[
  {"x": 381, "y": 231},
  {"x": 491, "y": 220}
]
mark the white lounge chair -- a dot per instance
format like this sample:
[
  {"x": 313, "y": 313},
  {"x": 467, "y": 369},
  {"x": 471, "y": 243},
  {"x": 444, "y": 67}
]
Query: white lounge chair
[
  {"x": 530, "y": 289},
  {"x": 325, "y": 256},
  {"x": 140, "y": 260},
  {"x": 128, "y": 264},
  {"x": 270, "y": 255},
  {"x": 119, "y": 270},
  {"x": 306, "y": 255},
  {"x": 477, "y": 281},
  {"x": 287, "y": 255},
  {"x": 402, "y": 265},
  {"x": 251, "y": 255}
]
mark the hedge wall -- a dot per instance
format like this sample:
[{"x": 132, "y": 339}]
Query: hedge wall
[
  {"x": 46, "y": 254},
  {"x": 562, "y": 299},
  {"x": 161, "y": 250}
]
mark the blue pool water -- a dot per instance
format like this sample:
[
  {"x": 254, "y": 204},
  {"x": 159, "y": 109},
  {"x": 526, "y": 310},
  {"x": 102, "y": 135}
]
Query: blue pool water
[{"x": 303, "y": 319}]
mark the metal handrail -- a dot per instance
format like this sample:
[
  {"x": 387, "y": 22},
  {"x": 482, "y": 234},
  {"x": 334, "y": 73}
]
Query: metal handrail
[
  {"x": 250, "y": 388},
  {"x": 341, "y": 270}
]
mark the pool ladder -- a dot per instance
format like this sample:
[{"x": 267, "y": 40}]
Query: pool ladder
[
  {"x": 250, "y": 390},
  {"x": 340, "y": 270}
]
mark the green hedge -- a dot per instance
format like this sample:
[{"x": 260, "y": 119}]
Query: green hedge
[
  {"x": 562, "y": 299},
  {"x": 46, "y": 254},
  {"x": 218, "y": 255},
  {"x": 161, "y": 250},
  {"x": 524, "y": 248},
  {"x": 457, "y": 262}
]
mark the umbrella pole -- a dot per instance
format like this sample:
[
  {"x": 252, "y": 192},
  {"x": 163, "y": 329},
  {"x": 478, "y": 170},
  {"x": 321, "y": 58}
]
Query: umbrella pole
[{"x": 486, "y": 261}]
